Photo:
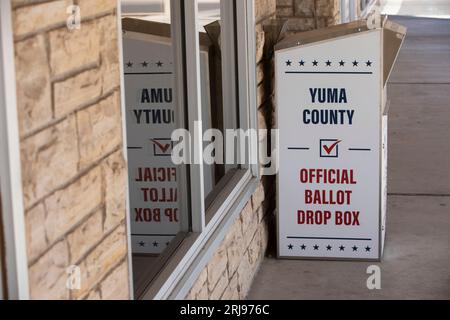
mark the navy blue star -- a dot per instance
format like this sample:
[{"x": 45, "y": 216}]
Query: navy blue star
[
  {"x": 341, "y": 63},
  {"x": 328, "y": 63},
  {"x": 316, "y": 247},
  {"x": 155, "y": 244},
  {"x": 159, "y": 64},
  {"x": 129, "y": 64},
  {"x": 289, "y": 63},
  {"x": 329, "y": 248},
  {"x": 302, "y": 63},
  {"x": 369, "y": 63},
  {"x": 303, "y": 247},
  {"x": 315, "y": 63},
  {"x": 144, "y": 64},
  {"x": 355, "y": 248},
  {"x": 342, "y": 248},
  {"x": 368, "y": 249},
  {"x": 142, "y": 244},
  {"x": 290, "y": 247},
  {"x": 355, "y": 63}
]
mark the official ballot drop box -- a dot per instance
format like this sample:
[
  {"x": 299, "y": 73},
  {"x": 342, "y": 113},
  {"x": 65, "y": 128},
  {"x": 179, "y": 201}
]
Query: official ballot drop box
[{"x": 332, "y": 110}]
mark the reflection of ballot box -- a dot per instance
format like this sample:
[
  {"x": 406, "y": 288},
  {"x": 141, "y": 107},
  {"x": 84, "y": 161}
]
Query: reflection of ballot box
[
  {"x": 332, "y": 115},
  {"x": 151, "y": 118}
]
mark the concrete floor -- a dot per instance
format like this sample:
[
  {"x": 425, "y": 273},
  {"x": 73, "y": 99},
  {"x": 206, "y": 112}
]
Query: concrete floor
[
  {"x": 417, "y": 255},
  {"x": 417, "y": 8}
]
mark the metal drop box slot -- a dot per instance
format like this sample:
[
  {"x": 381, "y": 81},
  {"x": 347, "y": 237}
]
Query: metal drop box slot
[{"x": 332, "y": 115}]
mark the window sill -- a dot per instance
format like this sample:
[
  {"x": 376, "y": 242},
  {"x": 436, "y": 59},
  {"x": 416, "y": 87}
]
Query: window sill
[{"x": 195, "y": 250}]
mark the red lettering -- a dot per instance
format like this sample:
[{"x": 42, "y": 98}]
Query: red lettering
[
  {"x": 347, "y": 218},
  {"x": 310, "y": 217}
]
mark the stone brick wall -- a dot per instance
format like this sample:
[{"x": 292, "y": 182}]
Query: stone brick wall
[
  {"x": 303, "y": 15},
  {"x": 230, "y": 272},
  {"x": 73, "y": 168}
]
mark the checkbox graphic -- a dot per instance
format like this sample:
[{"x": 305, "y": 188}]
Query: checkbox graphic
[
  {"x": 162, "y": 147},
  {"x": 329, "y": 148}
]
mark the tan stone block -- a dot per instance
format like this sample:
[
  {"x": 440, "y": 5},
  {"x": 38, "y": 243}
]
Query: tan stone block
[
  {"x": 245, "y": 276},
  {"x": 260, "y": 41},
  {"x": 284, "y": 12},
  {"x": 190, "y": 296},
  {"x": 85, "y": 236},
  {"x": 254, "y": 250},
  {"x": 49, "y": 159},
  {"x": 260, "y": 94},
  {"x": 264, "y": 235},
  {"x": 110, "y": 70},
  {"x": 326, "y": 8},
  {"x": 301, "y": 24},
  {"x": 76, "y": 91},
  {"x": 216, "y": 266},
  {"x": 304, "y": 8},
  {"x": 116, "y": 286},
  {"x": 259, "y": 73},
  {"x": 93, "y": 295},
  {"x": 285, "y": 3},
  {"x": 115, "y": 175},
  {"x": 260, "y": 214},
  {"x": 232, "y": 291},
  {"x": 203, "y": 294},
  {"x": 71, "y": 50},
  {"x": 265, "y": 9},
  {"x": 99, "y": 129},
  {"x": 48, "y": 275},
  {"x": 65, "y": 208},
  {"x": 246, "y": 216},
  {"x": 91, "y": 8},
  {"x": 35, "y": 232},
  {"x": 200, "y": 283},
  {"x": 218, "y": 291},
  {"x": 102, "y": 259},
  {"x": 39, "y": 16},
  {"x": 251, "y": 229},
  {"x": 34, "y": 102},
  {"x": 235, "y": 248},
  {"x": 258, "y": 197}
]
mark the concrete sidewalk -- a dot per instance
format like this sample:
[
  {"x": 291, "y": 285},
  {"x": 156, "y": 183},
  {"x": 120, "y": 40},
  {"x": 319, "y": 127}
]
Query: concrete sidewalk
[{"x": 417, "y": 256}]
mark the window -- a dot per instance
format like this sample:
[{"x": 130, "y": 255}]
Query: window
[
  {"x": 345, "y": 11},
  {"x": 188, "y": 65},
  {"x": 13, "y": 263}
]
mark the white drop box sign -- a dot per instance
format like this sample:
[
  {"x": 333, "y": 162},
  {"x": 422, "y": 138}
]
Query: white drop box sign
[{"x": 330, "y": 99}]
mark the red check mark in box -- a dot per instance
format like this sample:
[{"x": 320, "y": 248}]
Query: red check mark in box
[
  {"x": 329, "y": 148},
  {"x": 162, "y": 147}
]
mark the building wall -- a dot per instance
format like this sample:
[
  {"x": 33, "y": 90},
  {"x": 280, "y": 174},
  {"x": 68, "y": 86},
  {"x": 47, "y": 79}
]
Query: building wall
[
  {"x": 303, "y": 15},
  {"x": 74, "y": 174},
  {"x": 73, "y": 169}
]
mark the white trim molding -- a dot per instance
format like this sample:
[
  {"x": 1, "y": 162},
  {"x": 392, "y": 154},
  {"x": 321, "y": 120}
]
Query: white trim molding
[
  {"x": 125, "y": 143},
  {"x": 10, "y": 165}
]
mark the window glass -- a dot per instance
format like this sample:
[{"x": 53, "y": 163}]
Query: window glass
[
  {"x": 219, "y": 110},
  {"x": 157, "y": 188},
  {"x": 163, "y": 206}
]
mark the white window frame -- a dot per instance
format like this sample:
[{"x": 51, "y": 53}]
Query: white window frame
[
  {"x": 353, "y": 10},
  {"x": 346, "y": 11},
  {"x": 10, "y": 166},
  {"x": 367, "y": 9},
  {"x": 183, "y": 268}
]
